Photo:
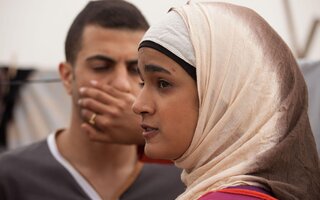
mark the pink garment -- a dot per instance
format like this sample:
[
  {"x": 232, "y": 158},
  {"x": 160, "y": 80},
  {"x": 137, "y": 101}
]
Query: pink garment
[
  {"x": 220, "y": 195},
  {"x": 226, "y": 196}
]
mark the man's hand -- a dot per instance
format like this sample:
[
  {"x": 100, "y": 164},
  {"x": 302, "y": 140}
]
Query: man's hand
[{"x": 115, "y": 121}]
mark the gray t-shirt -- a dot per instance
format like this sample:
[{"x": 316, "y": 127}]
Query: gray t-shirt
[{"x": 32, "y": 173}]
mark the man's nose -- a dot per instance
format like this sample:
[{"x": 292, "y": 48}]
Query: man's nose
[{"x": 121, "y": 79}]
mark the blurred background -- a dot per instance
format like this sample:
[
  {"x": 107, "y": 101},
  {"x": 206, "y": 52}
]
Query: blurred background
[
  {"x": 32, "y": 35},
  {"x": 32, "y": 32}
]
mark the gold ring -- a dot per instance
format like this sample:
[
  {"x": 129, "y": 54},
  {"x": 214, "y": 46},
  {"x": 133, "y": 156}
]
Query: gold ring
[{"x": 92, "y": 119}]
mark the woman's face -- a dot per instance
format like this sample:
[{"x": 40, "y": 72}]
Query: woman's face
[{"x": 168, "y": 104}]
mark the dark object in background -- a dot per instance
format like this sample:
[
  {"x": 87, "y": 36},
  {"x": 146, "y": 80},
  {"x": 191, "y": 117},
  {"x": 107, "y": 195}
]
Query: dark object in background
[{"x": 11, "y": 81}]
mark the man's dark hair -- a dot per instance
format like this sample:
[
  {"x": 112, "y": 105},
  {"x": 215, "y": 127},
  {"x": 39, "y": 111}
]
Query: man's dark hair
[{"x": 116, "y": 14}]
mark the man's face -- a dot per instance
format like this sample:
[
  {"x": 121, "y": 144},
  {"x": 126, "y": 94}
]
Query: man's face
[{"x": 109, "y": 57}]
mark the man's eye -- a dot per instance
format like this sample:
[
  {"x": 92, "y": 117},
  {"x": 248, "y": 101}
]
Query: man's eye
[
  {"x": 98, "y": 65},
  {"x": 163, "y": 84},
  {"x": 133, "y": 68},
  {"x": 101, "y": 68}
]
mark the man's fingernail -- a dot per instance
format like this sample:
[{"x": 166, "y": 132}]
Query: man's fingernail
[
  {"x": 82, "y": 89},
  {"x": 94, "y": 82}
]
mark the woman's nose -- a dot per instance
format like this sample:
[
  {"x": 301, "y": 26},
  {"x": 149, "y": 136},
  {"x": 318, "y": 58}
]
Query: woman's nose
[
  {"x": 142, "y": 104},
  {"x": 137, "y": 105}
]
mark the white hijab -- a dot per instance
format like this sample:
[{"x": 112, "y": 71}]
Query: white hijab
[{"x": 253, "y": 127}]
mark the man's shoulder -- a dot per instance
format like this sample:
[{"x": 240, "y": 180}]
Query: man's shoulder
[
  {"x": 22, "y": 156},
  {"x": 32, "y": 172},
  {"x": 157, "y": 181},
  {"x": 161, "y": 165},
  {"x": 156, "y": 169}
]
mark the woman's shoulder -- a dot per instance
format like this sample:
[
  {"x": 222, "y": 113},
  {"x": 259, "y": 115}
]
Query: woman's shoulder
[{"x": 238, "y": 193}]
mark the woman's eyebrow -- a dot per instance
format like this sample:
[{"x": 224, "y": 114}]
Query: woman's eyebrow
[{"x": 155, "y": 68}]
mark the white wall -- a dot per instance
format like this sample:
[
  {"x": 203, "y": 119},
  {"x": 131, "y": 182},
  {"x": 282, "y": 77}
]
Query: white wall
[{"x": 32, "y": 32}]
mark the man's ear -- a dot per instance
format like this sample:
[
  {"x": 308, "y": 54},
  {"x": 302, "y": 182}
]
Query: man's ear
[{"x": 66, "y": 75}]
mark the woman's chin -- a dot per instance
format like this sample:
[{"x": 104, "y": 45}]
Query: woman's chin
[{"x": 155, "y": 153}]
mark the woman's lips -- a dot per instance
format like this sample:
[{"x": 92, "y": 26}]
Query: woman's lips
[{"x": 149, "y": 131}]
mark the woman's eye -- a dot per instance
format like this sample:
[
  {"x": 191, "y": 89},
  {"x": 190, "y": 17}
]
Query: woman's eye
[{"x": 163, "y": 84}]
